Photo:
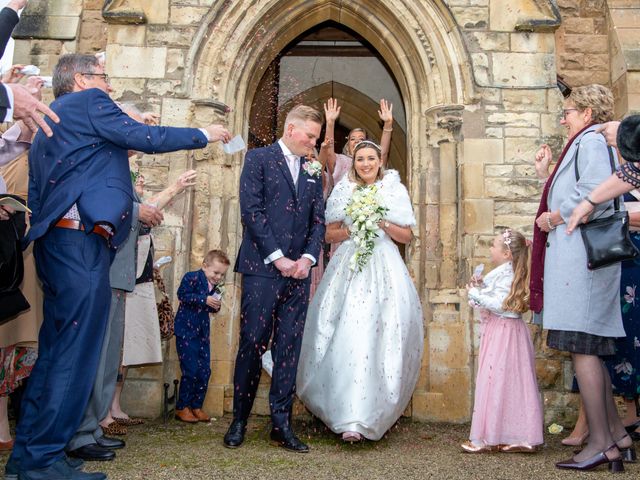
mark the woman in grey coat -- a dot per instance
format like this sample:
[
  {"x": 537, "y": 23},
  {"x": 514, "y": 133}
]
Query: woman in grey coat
[{"x": 581, "y": 306}]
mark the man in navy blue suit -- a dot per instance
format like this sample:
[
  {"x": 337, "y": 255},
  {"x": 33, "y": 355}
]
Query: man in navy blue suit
[
  {"x": 81, "y": 196},
  {"x": 282, "y": 213}
]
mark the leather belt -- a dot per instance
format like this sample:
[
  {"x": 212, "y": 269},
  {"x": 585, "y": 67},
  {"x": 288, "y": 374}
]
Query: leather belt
[{"x": 77, "y": 225}]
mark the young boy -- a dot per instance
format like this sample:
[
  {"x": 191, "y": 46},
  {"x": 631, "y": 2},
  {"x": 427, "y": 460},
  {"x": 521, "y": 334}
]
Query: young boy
[{"x": 200, "y": 294}]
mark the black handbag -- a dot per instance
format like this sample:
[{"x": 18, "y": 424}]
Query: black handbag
[{"x": 607, "y": 240}]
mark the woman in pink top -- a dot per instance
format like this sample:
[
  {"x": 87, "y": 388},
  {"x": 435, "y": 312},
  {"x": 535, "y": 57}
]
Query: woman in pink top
[{"x": 338, "y": 164}]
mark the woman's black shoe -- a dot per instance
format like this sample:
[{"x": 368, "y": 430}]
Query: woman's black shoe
[
  {"x": 615, "y": 464},
  {"x": 633, "y": 427},
  {"x": 628, "y": 454}
]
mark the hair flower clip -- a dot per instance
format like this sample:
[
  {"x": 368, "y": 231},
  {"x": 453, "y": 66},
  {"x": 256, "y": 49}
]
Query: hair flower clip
[{"x": 506, "y": 238}]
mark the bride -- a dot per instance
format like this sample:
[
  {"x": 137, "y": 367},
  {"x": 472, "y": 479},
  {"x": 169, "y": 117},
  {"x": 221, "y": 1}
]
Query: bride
[{"x": 363, "y": 338}]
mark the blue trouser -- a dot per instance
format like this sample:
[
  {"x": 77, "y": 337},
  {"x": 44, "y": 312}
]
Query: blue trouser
[
  {"x": 270, "y": 306},
  {"x": 195, "y": 364},
  {"x": 74, "y": 270},
  {"x": 107, "y": 375}
]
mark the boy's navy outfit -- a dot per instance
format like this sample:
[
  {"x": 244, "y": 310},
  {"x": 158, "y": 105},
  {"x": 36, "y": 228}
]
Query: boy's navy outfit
[{"x": 192, "y": 339}]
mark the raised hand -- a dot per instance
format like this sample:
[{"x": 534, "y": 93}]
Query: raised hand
[
  {"x": 28, "y": 109},
  {"x": 610, "y": 132},
  {"x": 150, "y": 118},
  {"x": 543, "y": 160},
  {"x": 213, "y": 302},
  {"x": 386, "y": 112},
  {"x": 34, "y": 84},
  {"x": 17, "y": 4},
  {"x": 150, "y": 215},
  {"x": 13, "y": 75},
  {"x": 475, "y": 281},
  {"x": 331, "y": 110},
  {"x": 139, "y": 185},
  {"x": 218, "y": 133},
  {"x": 328, "y": 143},
  {"x": 185, "y": 180}
]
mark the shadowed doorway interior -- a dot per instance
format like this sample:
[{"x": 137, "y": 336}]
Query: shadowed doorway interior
[{"x": 326, "y": 61}]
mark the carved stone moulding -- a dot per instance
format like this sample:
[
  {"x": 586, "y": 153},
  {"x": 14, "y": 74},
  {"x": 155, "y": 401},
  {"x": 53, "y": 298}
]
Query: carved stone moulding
[{"x": 123, "y": 12}]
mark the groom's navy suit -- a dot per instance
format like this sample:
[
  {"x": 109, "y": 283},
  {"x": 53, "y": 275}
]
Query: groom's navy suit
[
  {"x": 276, "y": 215},
  {"x": 84, "y": 163}
]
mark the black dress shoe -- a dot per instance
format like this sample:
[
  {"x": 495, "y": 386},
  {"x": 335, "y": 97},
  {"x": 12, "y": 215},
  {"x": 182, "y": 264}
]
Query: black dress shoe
[
  {"x": 285, "y": 438},
  {"x": 235, "y": 435},
  {"x": 93, "y": 453},
  {"x": 110, "y": 443}
]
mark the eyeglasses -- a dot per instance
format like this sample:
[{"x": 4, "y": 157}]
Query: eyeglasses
[
  {"x": 104, "y": 76},
  {"x": 567, "y": 110}
]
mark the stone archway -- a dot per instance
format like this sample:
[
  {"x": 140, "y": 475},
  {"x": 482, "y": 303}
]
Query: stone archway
[{"x": 422, "y": 46}]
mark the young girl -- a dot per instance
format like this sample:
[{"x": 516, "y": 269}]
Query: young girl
[{"x": 507, "y": 413}]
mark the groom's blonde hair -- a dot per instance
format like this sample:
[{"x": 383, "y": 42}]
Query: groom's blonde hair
[{"x": 302, "y": 113}]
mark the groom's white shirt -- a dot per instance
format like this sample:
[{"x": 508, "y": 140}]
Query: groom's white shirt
[{"x": 293, "y": 162}]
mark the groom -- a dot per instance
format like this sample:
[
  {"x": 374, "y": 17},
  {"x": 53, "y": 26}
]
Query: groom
[{"x": 282, "y": 212}]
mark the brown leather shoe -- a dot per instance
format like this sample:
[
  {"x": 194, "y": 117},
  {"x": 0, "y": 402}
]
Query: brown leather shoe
[
  {"x": 185, "y": 415},
  {"x": 200, "y": 415},
  {"x": 6, "y": 446}
]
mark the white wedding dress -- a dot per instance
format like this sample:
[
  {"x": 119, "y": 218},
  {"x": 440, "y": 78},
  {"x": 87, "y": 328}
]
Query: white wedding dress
[{"x": 363, "y": 338}]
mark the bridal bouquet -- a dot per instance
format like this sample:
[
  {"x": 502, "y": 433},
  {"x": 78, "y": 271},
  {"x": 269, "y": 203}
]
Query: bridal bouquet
[{"x": 365, "y": 210}]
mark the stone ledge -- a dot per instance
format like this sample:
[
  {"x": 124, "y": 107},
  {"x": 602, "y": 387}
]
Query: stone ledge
[
  {"x": 50, "y": 27},
  {"x": 444, "y": 297},
  {"x": 524, "y": 16}
]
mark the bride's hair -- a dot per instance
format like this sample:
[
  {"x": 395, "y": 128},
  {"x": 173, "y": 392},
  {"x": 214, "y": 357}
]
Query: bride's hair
[
  {"x": 353, "y": 175},
  {"x": 520, "y": 248}
]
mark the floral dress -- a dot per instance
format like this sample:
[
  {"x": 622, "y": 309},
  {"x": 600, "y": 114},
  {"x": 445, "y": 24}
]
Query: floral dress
[
  {"x": 624, "y": 366},
  {"x": 16, "y": 363}
]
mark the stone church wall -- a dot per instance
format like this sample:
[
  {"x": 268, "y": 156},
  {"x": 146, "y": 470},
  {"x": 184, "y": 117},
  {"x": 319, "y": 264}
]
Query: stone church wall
[{"x": 488, "y": 101}]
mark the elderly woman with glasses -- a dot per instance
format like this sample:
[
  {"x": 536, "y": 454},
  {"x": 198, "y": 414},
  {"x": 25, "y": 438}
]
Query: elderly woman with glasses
[{"x": 580, "y": 307}]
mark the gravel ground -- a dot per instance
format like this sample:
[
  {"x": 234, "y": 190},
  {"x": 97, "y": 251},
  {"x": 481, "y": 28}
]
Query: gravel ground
[{"x": 410, "y": 450}]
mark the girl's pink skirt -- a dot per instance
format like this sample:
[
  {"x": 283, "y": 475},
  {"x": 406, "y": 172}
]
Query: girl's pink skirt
[{"x": 507, "y": 408}]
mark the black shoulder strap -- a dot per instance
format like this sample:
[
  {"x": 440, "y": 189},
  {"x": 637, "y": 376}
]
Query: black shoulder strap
[{"x": 616, "y": 201}]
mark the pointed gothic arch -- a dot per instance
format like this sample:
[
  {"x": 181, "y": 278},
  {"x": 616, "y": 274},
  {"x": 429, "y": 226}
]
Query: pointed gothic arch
[{"x": 424, "y": 50}]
